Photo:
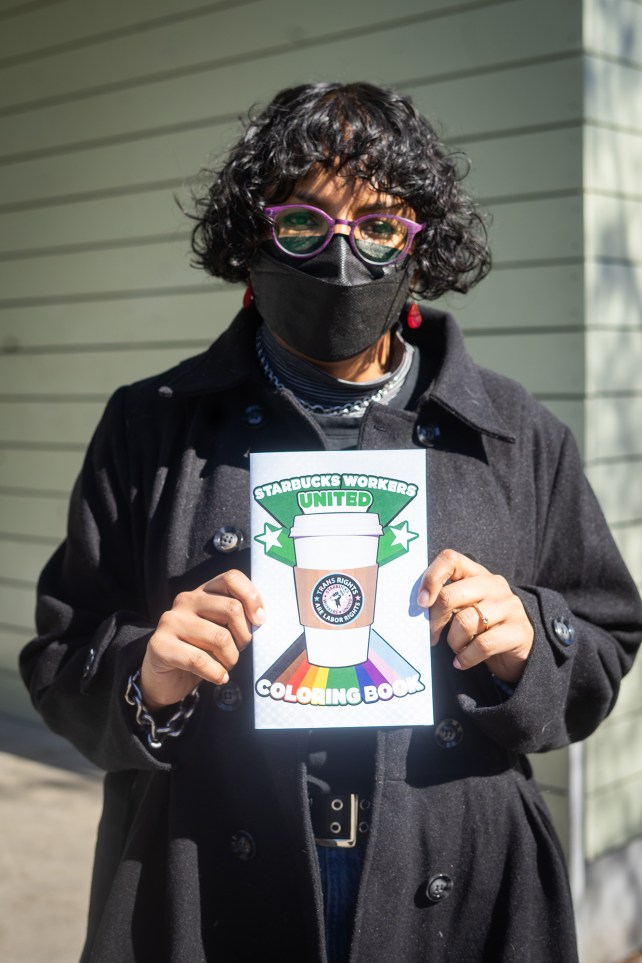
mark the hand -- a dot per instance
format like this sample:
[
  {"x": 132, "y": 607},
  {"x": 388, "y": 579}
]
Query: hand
[
  {"x": 488, "y": 621},
  {"x": 200, "y": 637}
]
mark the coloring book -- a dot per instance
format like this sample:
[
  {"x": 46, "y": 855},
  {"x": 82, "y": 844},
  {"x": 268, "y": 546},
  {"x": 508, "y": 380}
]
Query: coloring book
[{"x": 339, "y": 545}]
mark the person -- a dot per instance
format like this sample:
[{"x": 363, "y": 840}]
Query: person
[{"x": 341, "y": 208}]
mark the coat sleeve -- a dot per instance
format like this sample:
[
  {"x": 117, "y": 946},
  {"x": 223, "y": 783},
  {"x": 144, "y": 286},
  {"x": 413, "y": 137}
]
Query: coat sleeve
[
  {"x": 587, "y": 618},
  {"x": 91, "y": 617}
]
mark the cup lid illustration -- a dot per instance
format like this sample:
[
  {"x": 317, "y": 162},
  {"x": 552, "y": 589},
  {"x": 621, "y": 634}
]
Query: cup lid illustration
[{"x": 336, "y": 523}]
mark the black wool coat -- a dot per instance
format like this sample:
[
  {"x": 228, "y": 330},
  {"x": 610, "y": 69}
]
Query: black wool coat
[{"x": 205, "y": 850}]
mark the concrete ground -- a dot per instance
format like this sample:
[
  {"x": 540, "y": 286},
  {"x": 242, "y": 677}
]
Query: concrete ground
[{"x": 50, "y": 800}]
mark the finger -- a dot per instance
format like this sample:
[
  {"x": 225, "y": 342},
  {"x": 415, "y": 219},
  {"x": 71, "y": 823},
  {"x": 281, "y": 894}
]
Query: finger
[
  {"x": 212, "y": 636},
  {"x": 467, "y": 624},
  {"x": 503, "y": 647},
  {"x": 492, "y": 589},
  {"x": 177, "y": 656},
  {"x": 506, "y": 645},
  {"x": 237, "y": 585},
  {"x": 457, "y": 597},
  {"x": 482, "y": 647},
  {"x": 447, "y": 566},
  {"x": 227, "y": 611}
]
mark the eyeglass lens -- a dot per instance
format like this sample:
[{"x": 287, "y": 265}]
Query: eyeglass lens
[{"x": 379, "y": 238}]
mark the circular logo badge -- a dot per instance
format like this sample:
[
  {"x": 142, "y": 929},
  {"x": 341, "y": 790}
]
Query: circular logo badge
[{"x": 337, "y": 599}]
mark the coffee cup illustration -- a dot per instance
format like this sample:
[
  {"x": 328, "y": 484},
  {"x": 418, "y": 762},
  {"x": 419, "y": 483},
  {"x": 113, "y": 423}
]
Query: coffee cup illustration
[{"x": 336, "y": 584}]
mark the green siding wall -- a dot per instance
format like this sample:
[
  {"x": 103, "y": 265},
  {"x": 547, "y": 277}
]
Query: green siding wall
[{"x": 108, "y": 111}]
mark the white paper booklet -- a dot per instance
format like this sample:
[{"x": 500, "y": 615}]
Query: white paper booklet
[{"x": 339, "y": 545}]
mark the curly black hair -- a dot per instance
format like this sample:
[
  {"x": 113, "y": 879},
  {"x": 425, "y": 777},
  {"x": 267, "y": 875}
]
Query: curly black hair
[{"x": 369, "y": 132}]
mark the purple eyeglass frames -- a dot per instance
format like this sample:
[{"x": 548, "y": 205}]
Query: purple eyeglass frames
[{"x": 303, "y": 231}]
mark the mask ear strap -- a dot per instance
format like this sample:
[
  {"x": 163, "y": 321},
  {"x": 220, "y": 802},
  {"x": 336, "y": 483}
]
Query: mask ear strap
[{"x": 414, "y": 318}]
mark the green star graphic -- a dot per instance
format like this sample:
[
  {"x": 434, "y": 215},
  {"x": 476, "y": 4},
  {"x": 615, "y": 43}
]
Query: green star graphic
[
  {"x": 394, "y": 542},
  {"x": 276, "y": 543}
]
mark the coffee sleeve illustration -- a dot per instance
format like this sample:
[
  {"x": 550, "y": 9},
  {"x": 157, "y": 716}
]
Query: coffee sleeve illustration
[
  {"x": 337, "y": 532},
  {"x": 336, "y": 584}
]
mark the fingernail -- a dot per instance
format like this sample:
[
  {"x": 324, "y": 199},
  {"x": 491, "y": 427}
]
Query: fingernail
[
  {"x": 225, "y": 679},
  {"x": 259, "y": 618},
  {"x": 457, "y": 663},
  {"x": 422, "y": 599}
]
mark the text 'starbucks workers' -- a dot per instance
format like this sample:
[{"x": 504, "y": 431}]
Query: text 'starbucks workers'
[{"x": 337, "y": 553}]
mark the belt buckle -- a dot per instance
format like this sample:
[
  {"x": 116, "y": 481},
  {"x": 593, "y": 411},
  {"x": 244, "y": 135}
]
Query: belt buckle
[{"x": 345, "y": 841}]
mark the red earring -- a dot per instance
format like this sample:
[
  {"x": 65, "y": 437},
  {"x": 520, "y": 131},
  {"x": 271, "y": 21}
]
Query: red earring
[
  {"x": 248, "y": 297},
  {"x": 414, "y": 318}
]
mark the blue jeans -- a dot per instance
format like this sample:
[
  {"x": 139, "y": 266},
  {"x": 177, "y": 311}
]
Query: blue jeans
[{"x": 340, "y": 875}]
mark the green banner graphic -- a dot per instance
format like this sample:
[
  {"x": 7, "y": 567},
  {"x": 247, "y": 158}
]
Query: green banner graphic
[{"x": 335, "y": 492}]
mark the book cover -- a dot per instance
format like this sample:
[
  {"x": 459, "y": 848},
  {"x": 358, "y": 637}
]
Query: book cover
[{"x": 339, "y": 545}]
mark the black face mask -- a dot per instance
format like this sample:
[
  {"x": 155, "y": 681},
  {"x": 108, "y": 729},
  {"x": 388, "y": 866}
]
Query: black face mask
[{"x": 332, "y": 306}]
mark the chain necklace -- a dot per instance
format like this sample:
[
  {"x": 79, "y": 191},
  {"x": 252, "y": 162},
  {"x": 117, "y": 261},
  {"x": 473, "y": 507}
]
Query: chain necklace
[{"x": 352, "y": 408}]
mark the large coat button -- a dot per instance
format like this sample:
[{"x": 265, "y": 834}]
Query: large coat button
[
  {"x": 449, "y": 733},
  {"x": 228, "y": 697},
  {"x": 253, "y": 416},
  {"x": 439, "y": 888},
  {"x": 228, "y": 539},
  {"x": 242, "y": 845},
  {"x": 564, "y": 631},
  {"x": 428, "y": 435}
]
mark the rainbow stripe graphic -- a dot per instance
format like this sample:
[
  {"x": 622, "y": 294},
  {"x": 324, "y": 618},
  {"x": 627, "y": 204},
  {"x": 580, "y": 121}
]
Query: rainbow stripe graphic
[{"x": 385, "y": 675}]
